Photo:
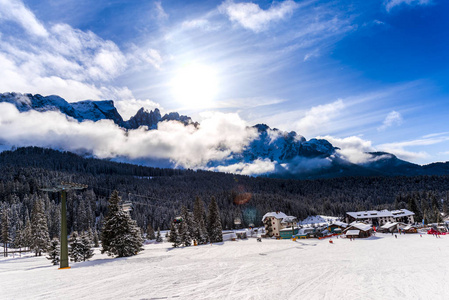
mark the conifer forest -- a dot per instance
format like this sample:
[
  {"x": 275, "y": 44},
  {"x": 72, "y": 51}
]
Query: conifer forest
[{"x": 158, "y": 196}]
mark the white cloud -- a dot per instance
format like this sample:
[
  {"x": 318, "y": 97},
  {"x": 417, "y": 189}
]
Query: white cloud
[
  {"x": 16, "y": 11},
  {"x": 250, "y": 16},
  {"x": 318, "y": 118},
  {"x": 352, "y": 148},
  {"x": 218, "y": 136},
  {"x": 257, "y": 167},
  {"x": 393, "y": 118},
  {"x": 389, "y": 4}
]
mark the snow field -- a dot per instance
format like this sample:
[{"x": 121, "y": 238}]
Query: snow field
[{"x": 381, "y": 267}]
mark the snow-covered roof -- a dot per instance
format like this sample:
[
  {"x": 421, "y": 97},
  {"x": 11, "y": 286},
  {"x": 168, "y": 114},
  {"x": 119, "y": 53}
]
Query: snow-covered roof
[
  {"x": 277, "y": 215},
  {"x": 289, "y": 219},
  {"x": 402, "y": 213},
  {"x": 369, "y": 214},
  {"x": 287, "y": 229},
  {"x": 353, "y": 232},
  {"x": 341, "y": 224},
  {"x": 361, "y": 226},
  {"x": 388, "y": 225},
  {"x": 318, "y": 219}
]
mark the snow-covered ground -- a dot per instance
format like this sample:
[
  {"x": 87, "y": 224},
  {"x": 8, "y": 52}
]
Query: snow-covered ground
[{"x": 381, "y": 267}]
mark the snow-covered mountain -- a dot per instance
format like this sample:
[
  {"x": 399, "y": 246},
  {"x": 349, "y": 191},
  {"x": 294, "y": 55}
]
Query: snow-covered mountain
[
  {"x": 90, "y": 110},
  {"x": 288, "y": 154}
]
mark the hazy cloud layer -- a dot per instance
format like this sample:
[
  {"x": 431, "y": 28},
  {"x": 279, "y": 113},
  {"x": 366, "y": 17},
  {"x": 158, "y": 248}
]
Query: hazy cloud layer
[
  {"x": 218, "y": 136},
  {"x": 250, "y": 16},
  {"x": 389, "y": 4}
]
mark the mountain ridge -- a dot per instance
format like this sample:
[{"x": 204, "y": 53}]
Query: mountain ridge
[{"x": 291, "y": 154}]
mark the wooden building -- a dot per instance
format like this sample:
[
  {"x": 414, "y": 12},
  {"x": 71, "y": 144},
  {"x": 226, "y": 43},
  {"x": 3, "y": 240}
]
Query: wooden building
[{"x": 358, "y": 230}]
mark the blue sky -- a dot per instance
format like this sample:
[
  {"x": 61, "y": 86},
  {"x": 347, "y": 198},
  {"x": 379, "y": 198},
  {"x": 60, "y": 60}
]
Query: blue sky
[{"x": 366, "y": 75}]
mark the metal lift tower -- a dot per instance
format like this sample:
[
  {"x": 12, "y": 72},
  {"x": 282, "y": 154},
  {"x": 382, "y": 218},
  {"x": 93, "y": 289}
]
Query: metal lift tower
[{"x": 63, "y": 188}]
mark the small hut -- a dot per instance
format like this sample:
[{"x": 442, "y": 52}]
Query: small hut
[
  {"x": 358, "y": 230},
  {"x": 337, "y": 227}
]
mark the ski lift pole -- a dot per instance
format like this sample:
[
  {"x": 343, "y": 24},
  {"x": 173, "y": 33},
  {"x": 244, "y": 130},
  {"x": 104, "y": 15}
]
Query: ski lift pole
[{"x": 63, "y": 188}]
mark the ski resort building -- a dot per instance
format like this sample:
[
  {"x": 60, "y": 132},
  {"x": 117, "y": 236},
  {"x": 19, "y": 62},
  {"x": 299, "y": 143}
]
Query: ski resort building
[
  {"x": 337, "y": 227},
  {"x": 358, "y": 230},
  {"x": 379, "y": 218},
  {"x": 275, "y": 221}
]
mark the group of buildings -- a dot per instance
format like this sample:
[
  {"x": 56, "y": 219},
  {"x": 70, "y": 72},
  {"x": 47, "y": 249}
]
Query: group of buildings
[{"x": 358, "y": 224}]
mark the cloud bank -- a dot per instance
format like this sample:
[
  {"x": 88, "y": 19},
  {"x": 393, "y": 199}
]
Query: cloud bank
[
  {"x": 218, "y": 136},
  {"x": 389, "y": 4}
]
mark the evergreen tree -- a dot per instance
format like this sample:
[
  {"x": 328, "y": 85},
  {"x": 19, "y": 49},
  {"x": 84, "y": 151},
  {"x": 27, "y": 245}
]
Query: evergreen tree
[
  {"x": 39, "y": 230},
  {"x": 6, "y": 239},
  {"x": 53, "y": 251},
  {"x": 120, "y": 235},
  {"x": 158, "y": 236},
  {"x": 27, "y": 235},
  {"x": 150, "y": 232},
  {"x": 76, "y": 247},
  {"x": 86, "y": 240},
  {"x": 95, "y": 240},
  {"x": 187, "y": 227},
  {"x": 214, "y": 222},
  {"x": 200, "y": 232},
  {"x": 175, "y": 237}
]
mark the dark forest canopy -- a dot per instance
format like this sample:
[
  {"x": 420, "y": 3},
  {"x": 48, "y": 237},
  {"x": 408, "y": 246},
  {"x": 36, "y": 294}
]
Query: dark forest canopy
[{"x": 158, "y": 194}]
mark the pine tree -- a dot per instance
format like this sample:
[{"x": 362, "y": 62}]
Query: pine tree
[
  {"x": 39, "y": 229},
  {"x": 53, "y": 251},
  {"x": 95, "y": 240},
  {"x": 86, "y": 240},
  {"x": 150, "y": 232},
  {"x": 187, "y": 227},
  {"x": 120, "y": 235},
  {"x": 175, "y": 237},
  {"x": 214, "y": 223},
  {"x": 27, "y": 235},
  {"x": 158, "y": 236},
  {"x": 200, "y": 232},
  {"x": 76, "y": 247},
  {"x": 6, "y": 239}
]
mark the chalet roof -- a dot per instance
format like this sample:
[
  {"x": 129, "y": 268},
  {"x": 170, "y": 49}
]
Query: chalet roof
[
  {"x": 353, "y": 232},
  {"x": 402, "y": 213},
  {"x": 277, "y": 215},
  {"x": 388, "y": 225},
  {"x": 360, "y": 226},
  {"x": 289, "y": 219},
  {"x": 288, "y": 229},
  {"x": 340, "y": 224},
  {"x": 369, "y": 214}
]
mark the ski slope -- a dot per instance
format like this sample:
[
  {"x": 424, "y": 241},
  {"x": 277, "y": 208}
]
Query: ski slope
[{"x": 381, "y": 267}]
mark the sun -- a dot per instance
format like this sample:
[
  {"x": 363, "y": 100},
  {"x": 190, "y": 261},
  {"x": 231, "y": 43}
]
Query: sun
[{"x": 195, "y": 85}]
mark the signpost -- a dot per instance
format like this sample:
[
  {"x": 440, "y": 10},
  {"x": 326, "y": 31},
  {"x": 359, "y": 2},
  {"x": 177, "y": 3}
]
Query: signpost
[{"x": 63, "y": 188}]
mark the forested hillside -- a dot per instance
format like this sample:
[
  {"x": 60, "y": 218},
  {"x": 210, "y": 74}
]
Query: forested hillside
[{"x": 158, "y": 194}]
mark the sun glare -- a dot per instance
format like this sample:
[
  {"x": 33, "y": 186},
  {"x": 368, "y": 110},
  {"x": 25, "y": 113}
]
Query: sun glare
[{"x": 195, "y": 85}]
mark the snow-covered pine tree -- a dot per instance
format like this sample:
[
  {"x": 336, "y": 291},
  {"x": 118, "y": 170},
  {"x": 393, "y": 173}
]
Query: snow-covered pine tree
[
  {"x": 53, "y": 251},
  {"x": 6, "y": 239},
  {"x": 200, "y": 232},
  {"x": 120, "y": 235},
  {"x": 187, "y": 227},
  {"x": 175, "y": 237},
  {"x": 76, "y": 247},
  {"x": 95, "y": 240},
  {"x": 214, "y": 222},
  {"x": 150, "y": 232},
  {"x": 39, "y": 230},
  {"x": 86, "y": 240},
  {"x": 158, "y": 236},
  {"x": 27, "y": 235}
]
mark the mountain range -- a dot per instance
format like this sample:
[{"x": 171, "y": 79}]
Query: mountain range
[{"x": 292, "y": 155}]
